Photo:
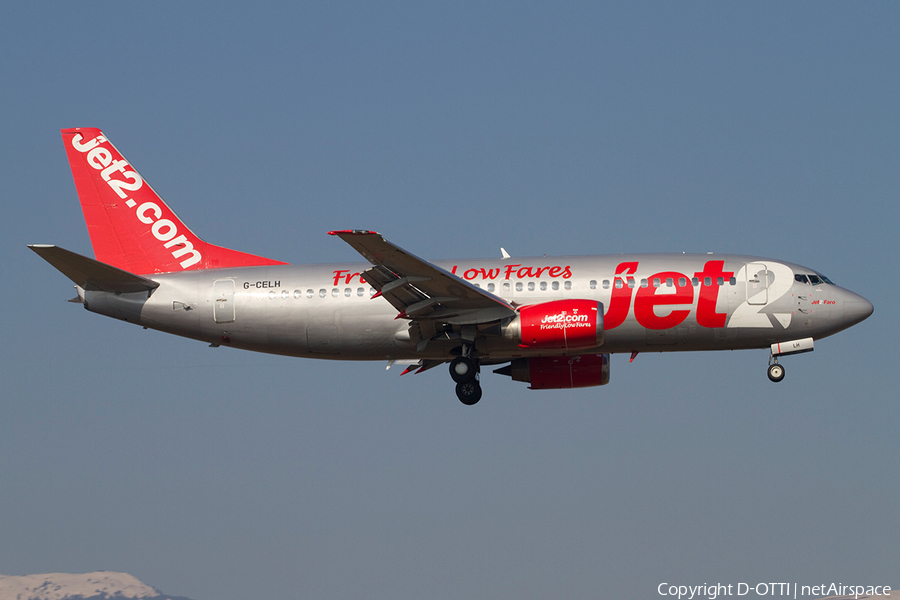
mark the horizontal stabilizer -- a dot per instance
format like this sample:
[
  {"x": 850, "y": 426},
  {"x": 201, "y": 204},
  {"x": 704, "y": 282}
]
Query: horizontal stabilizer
[{"x": 90, "y": 274}]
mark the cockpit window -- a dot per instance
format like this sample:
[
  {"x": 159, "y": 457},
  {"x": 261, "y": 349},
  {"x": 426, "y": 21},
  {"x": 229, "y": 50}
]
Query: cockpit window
[{"x": 812, "y": 279}]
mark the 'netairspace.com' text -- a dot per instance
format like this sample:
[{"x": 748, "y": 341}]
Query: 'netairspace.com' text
[{"x": 791, "y": 590}]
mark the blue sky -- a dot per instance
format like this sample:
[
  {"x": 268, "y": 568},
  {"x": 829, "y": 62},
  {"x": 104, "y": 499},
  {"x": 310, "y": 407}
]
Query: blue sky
[{"x": 454, "y": 129}]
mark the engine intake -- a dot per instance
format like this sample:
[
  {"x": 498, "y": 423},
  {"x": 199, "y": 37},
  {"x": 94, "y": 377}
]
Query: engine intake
[{"x": 558, "y": 325}]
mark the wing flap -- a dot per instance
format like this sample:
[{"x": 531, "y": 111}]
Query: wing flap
[{"x": 393, "y": 288}]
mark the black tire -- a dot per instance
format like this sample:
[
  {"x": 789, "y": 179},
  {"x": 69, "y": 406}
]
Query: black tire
[
  {"x": 775, "y": 373},
  {"x": 468, "y": 392},
  {"x": 462, "y": 369}
]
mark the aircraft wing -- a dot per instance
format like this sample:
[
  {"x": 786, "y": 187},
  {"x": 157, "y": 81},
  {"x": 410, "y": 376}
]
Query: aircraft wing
[{"x": 420, "y": 290}]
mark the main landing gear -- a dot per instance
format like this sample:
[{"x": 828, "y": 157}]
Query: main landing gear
[{"x": 465, "y": 372}]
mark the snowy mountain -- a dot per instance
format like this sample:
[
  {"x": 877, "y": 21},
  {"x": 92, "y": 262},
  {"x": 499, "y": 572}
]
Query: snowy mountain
[{"x": 101, "y": 585}]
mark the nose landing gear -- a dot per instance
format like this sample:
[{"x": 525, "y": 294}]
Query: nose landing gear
[{"x": 775, "y": 371}]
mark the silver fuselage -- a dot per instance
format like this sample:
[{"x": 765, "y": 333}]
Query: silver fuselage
[{"x": 652, "y": 302}]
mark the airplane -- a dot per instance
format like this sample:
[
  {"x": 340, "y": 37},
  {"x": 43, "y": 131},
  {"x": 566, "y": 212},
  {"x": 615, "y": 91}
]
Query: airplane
[{"x": 551, "y": 322}]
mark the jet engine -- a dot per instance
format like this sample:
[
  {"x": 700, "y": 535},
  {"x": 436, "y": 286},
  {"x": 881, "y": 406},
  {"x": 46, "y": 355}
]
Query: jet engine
[
  {"x": 558, "y": 325},
  {"x": 559, "y": 372}
]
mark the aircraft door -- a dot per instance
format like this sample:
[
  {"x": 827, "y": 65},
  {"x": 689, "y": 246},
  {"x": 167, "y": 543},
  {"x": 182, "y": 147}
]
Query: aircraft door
[
  {"x": 757, "y": 284},
  {"x": 322, "y": 338},
  {"x": 223, "y": 296}
]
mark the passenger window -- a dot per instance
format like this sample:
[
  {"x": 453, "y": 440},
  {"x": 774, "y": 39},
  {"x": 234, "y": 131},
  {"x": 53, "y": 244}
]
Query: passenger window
[
  {"x": 285, "y": 294},
  {"x": 593, "y": 284},
  {"x": 733, "y": 281},
  {"x": 506, "y": 287},
  {"x": 335, "y": 292},
  {"x": 721, "y": 281},
  {"x": 555, "y": 285},
  {"x": 371, "y": 291},
  {"x": 490, "y": 287},
  {"x": 707, "y": 281},
  {"x": 272, "y": 294},
  {"x": 619, "y": 284},
  {"x": 630, "y": 283},
  {"x": 518, "y": 286},
  {"x": 530, "y": 286},
  {"x": 568, "y": 285},
  {"x": 309, "y": 293},
  {"x": 644, "y": 283},
  {"x": 669, "y": 282},
  {"x": 360, "y": 292},
  {"x": 656, "y": 282},
  {"x": 695, "y": 282},
  {"x": 682, "y": 282},
  {"x": 606, "y": 284},
  {"x": 298, "y": 294},
  {"x": 543, "y": 286}
]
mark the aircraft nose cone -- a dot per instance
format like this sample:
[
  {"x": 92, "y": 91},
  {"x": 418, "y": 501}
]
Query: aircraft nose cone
[{"x": 857, "y": 308}]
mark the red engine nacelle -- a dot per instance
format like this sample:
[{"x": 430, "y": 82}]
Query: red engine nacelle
[
  {"x": 558, "y": 325},
  {"x": 560, "y": 372}
]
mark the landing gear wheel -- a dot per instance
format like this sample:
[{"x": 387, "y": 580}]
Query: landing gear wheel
[
  {"x": 776, "y": 372},
  {"x": 462, "y": 369},
  {"x": 468, "y": 392}
]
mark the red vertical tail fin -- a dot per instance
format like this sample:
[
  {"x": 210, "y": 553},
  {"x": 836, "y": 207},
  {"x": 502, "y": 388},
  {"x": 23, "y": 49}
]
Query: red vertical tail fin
[{"x": 130, "y": 226}]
